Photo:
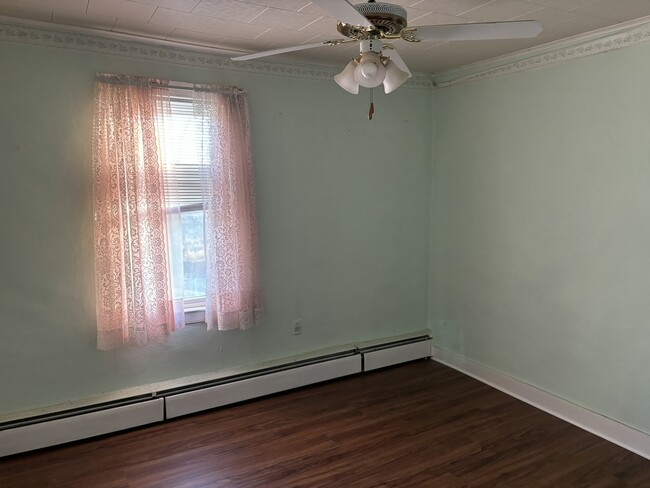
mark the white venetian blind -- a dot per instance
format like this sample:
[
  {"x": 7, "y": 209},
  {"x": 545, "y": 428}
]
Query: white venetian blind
[{"x": 182, "y": 143}]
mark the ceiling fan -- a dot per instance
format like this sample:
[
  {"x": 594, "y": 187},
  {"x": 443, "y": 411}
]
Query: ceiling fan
[{"x": 379, "y": 62}]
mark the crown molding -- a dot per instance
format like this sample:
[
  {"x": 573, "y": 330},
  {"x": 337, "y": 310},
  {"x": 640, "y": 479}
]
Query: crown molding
[
  {"x": 596, "y": 42},
  {"x": 129, "y": 46},
  {"x": 43, "y": 34}
]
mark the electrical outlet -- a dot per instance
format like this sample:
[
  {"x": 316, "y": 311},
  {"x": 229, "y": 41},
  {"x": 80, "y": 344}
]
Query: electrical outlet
[{"x": 297, "y": 327}]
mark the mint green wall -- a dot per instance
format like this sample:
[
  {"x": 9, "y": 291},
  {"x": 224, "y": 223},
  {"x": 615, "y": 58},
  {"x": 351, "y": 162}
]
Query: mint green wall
[
  {"x": 343, "y": 209},
  {"x": 537, "y": 221},
  {"x": 541, "y": 229}
]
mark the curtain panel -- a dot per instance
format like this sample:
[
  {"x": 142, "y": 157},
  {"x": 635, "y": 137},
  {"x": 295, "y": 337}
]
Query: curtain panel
[
  {"x": 138, "y": 245},
  {"x": 232, "y": 290},
  {"x": 133, "y": 292}
]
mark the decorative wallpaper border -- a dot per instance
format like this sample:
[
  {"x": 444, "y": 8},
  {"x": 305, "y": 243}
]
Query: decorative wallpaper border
[
  {"x": 596, "y": 42},
  {"x": 104, "y": 44}
]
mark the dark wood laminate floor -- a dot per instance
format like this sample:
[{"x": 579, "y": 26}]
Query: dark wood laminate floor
[{"x": 417, "y": 425}]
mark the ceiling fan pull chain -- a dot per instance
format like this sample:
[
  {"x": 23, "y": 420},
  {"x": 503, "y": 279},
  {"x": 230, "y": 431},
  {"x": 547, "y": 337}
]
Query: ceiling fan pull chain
[{"x": 372, "y": 107}]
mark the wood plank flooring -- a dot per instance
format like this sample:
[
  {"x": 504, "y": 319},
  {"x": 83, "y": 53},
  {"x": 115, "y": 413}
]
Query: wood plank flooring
[{"x": 416, "y": 425}]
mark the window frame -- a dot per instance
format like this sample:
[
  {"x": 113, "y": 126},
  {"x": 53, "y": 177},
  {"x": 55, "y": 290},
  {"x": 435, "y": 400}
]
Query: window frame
[
  {"x": 194, "y": 307},
  {"x": 194, "y": 304}
]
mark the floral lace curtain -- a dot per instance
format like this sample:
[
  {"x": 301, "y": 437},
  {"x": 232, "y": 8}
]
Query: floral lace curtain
[
  {"x": 133, "y": 288},
  {"x": 138, "y": 248},
  {"x": 232, "y": 289}
]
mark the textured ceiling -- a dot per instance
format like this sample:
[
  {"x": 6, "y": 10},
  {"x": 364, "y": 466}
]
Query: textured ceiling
[{"x": 254, "y": 25}]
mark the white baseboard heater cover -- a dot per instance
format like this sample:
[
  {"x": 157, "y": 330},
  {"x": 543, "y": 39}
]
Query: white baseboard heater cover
[
  {"x": 81, "y": 426},
  {"x": 265, "y": 384},
  {"x": 38, "y": 432},
  {"x": 389, "y": 355}
]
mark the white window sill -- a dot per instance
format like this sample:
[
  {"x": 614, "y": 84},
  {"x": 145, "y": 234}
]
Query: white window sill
[
  {"x": 195, "y": 310},
  {"x": 194, "y": 317}
]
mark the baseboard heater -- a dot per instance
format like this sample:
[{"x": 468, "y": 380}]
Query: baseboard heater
[
  {"x": 238, "y": 389},
  {"x": 71, "y": 425},
  {"x": 391, "y": 353},
  {"x": 45, "y": 431}
]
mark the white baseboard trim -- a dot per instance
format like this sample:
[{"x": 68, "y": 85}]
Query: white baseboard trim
[{"x": 623, "y": 435}]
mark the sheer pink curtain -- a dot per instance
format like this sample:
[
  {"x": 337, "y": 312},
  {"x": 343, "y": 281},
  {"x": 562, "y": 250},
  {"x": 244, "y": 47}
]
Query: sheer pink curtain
[
  {"x": 134, "y": 300},
  {"x": 232, "y": 289}
]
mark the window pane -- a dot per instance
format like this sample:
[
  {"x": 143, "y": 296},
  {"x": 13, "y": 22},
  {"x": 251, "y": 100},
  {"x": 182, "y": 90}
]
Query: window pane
[
  {"x": 183, "y": 141},
  {"x": 193, "y": 253}
]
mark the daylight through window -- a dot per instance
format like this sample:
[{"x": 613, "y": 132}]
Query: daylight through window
[{"x": 183, "y": 142}]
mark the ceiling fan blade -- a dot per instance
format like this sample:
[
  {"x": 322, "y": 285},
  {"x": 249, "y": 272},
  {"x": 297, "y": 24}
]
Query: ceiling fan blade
[
  {"x": 272, "y": 52},
  {"x": 518, "y": 29},
  {"x": 344, "y": 11},
  {"x": 397, "y": 59}
]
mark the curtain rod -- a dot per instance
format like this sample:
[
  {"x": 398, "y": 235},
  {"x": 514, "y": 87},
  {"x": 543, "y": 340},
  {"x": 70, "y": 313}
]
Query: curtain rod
[
  {"x": 173, "y": 87},
  {"x": 177, "y": 85},
  {"x": 194, "y": 88}
]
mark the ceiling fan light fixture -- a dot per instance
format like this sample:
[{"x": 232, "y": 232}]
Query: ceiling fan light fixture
[
  {"x": 395, "y": 77},
  {"x": 370, "y": 72},
  {"x": 346, "y": 80}
]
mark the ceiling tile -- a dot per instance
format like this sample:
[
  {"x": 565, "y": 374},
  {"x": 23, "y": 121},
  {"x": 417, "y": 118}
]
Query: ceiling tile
[
  {"x": 499, "y": 10},
  {"x": 181, "y": 20},
  {"x": 284, "y": 19},
  {"x": 246, "y": 45},
  {"x": 133, "y": 12},
  {"x": 30, "y": 9},
  {"x": 228, "y": 10},
  {"x": 550, "y": 16},
  {"x": 182, "y": 5},
  {"x": 562, "y": 4},
  {"x": 325, "y": 26},
  {"x": 413, "y": 14},
  {"x": 74, "y": 6},
  {"x": 449, "y": 7},
  {"x": 83, "y": 19},
  {"x": 142, "y": 29},
  {"x": 293, "y": 5},
  {"x": 571, "y": 28},
  {"x": 235, "y": 29},
  {"x": 314, "y": 9},
  {"x": 454, "y": 54},
  {"x": 285, "y": 38},
  {"x": 619, "y": 11},
  {"x": 193, "y": 37},
  {"x": 27, "y": 4},
  {"x": 402, "y": 3},
  {"x": 438, "y": 19}
]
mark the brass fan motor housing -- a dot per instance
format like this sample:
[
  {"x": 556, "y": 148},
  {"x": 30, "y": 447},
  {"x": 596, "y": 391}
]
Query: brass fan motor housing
[{"x": 388, "y": 20}]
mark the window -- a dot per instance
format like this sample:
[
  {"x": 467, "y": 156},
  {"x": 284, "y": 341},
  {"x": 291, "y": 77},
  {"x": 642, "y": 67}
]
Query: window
[
  {"x": 183, "y": 139},
  {"x": 174, "y": 209},
  {"x": 193, "y": 252}
]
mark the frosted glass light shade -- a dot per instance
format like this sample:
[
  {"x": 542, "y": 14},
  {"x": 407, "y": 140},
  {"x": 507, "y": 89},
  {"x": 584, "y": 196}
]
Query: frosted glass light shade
[
  {"x": 370, "y": 71},
  {"x": 394, "y": 77},
  {"x": 346, "y": 80}
]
